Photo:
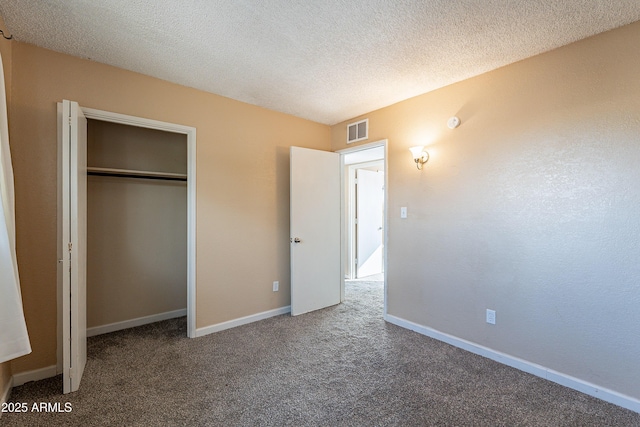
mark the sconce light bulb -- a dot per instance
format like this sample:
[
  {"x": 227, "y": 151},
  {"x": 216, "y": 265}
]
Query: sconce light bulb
[
  {"x": 419, "y": 156},
  {"x": 416, "y": 151}
]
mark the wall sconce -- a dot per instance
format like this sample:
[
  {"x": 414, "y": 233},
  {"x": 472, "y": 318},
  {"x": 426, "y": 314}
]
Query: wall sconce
[{"x": 419, "y": 156}]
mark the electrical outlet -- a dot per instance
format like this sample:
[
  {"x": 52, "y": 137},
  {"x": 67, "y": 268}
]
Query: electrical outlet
[
  {"x": 276, "y": 286},
  {"x": 491, "y": 316}
]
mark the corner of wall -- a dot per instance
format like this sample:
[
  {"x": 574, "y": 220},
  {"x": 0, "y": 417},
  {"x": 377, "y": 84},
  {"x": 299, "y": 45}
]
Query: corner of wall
[
  {"x": 6, "y": 382},
  {"x": 6, "y": 52},
  {"x": 6, "y": 379}
]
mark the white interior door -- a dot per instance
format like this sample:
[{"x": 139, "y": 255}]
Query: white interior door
[
  {"x": 72, "y": 242},
  {"x": 370, "y": 219},
  {"x": 315, "y": 229}
]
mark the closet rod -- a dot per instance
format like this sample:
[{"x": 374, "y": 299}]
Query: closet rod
[{"x": 125, "y": 173}]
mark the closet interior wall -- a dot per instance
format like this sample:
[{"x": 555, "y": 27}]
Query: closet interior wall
[{"x": 136, "y": 226}]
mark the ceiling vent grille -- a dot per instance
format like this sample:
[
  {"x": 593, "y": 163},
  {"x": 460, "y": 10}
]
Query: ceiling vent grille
[{"x": 358, "y": 131}]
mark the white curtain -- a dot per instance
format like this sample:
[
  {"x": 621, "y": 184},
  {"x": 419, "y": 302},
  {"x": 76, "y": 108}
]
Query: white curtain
[{"x": 14, "y": 340}]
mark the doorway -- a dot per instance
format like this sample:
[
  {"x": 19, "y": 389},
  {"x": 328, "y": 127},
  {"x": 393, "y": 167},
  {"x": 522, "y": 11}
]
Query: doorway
[{"x": 365, "y": 218}]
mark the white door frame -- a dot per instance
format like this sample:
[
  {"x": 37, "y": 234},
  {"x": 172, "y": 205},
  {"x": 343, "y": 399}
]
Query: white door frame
[
  {"x": 190, "y": 132},
  {"x": 344, "y": 217}
]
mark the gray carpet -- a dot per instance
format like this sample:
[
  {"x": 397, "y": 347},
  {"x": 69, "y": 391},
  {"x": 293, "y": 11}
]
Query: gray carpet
[{"x": 342, "y": 366}]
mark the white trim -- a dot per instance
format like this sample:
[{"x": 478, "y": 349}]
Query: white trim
[
  {"x": 35, "y": 375},
  {"x": 200, "y": 332},
  {"x": 132, "y": 323},
  {"x": 6, "y": 393},
  {"x": 343, "y": 226},
  {"x": 565, "y": 380},
  {"x": 351, "y": 269},
  {"x": 60, "y": 238},
  {"x": 108, "y": 116},
  {"x": 190, "y": 132}
]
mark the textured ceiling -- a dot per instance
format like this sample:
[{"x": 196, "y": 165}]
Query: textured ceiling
[{"x": 324, "y": 60}]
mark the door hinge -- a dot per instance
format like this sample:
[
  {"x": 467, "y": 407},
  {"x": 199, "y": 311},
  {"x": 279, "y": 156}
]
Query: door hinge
[
  {"x": 356, "y": 261},
  {"x": 70, "y": 246}
]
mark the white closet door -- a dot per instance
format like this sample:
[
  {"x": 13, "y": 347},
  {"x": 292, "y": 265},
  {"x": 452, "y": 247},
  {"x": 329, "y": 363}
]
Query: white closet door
[
  {"x": 72, "y": 242},
  {"x": 315, "y": 229}
]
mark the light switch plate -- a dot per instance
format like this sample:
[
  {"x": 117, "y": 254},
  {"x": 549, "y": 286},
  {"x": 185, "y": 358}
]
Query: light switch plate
[{"x": 403, "y": 212}]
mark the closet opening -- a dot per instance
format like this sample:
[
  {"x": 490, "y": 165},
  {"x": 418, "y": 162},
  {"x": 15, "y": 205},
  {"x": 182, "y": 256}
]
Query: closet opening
[{"x": 136, "y": 226}]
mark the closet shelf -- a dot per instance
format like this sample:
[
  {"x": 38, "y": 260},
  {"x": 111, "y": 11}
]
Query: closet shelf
[{"x": 128, "y": 173}]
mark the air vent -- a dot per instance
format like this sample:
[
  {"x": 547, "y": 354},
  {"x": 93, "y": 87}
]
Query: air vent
[{"x": 358, "y": 131}]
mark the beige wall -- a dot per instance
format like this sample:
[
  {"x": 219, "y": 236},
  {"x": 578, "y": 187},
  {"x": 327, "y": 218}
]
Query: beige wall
[
  {"x": 136, "y": 228},
  {"x": 529, "y": 208},
  {"x": 242, "y": 185},
  {"x": 5, "y": 51}
]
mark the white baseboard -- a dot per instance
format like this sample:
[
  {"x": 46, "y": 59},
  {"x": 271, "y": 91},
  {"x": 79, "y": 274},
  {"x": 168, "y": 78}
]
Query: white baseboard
[
  {"x": 35, "y": 375},
  {"x": 126, "y": 324},
  {"x": 585, "y": 387},
  {"x": 200, "y": 332}
]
